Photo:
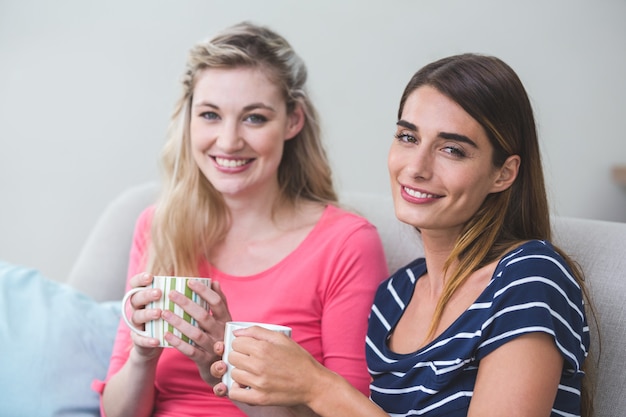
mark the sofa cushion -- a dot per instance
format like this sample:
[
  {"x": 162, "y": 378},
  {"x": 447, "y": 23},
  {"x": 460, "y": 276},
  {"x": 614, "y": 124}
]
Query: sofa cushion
[
  {"x": 101, "y": 267},
  {"x": 600, "y": 249},
  {"x": 54, "y": 341}
]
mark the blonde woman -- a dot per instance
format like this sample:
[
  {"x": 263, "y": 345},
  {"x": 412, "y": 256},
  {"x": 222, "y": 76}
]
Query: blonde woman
[{"x": 248, "y": 201}]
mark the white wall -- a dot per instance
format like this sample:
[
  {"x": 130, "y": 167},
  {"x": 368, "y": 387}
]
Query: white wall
[{"x": 86, "y": 89}]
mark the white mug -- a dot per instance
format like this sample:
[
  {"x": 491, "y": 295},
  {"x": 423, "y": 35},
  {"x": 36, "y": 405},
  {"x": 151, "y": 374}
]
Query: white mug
[
  {"x": 157, "y": 328},
  {"x": 231, "y": 326}
]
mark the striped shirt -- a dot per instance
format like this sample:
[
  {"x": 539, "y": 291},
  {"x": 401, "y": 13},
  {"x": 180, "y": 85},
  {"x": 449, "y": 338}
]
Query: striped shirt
[{"x": 532, "y": 290}]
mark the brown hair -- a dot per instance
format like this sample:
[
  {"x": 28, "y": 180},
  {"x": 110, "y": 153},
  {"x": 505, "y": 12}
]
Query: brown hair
[{"x": 491, "y": 92}]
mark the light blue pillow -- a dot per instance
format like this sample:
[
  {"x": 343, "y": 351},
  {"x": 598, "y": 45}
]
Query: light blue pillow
[{"x": 54, "y": 341}]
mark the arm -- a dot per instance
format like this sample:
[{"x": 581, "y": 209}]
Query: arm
[
  {"x": 280, "y": 372},
  {"x": 134, "y": 359},
  {"x": 130, "y": 391},
  {"x": 536, "y": 365},
  {"x": 359, "y": 266},
  {"x": 532, "y": 350}
]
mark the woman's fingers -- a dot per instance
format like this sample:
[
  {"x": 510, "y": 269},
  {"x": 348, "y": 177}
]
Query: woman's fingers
[
  {"x": 271, "y": 364},
  {"x": 141, "y": 280},
  {"x": 144, "y": 342},
  {"x": 197, "y": 335},
  {"x": 218, "y": 303},
  {"x": 142, "y": 298},
  {"x": 218, "y": 348},
  {"x": 140, "y": 317},
  {"x": 220, "y": 389},
  {"x": 210, "y": 322},
  {"x": 218, "y": 369}
]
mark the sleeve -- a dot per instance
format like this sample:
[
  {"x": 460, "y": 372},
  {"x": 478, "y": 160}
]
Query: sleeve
[
  {"x": 358, "y": 267},
  {"x": 538, "y": 293},
  {"x": 137, "y": 263}
]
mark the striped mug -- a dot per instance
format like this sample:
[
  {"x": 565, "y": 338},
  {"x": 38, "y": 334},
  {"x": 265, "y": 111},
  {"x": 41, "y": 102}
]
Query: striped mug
[{"x": 157, "y": 328}]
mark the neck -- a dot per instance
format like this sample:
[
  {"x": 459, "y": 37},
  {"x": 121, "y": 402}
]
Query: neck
[
  {"x": 261, "y": 220},
  {"x": 253, "y": 209},
  {"x": 437, "y": 249}
]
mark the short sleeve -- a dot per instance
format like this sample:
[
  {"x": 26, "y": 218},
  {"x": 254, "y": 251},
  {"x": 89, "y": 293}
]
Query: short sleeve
[
  {"x": 535, "y": 291},
  {"x": 359, "y": 266}
]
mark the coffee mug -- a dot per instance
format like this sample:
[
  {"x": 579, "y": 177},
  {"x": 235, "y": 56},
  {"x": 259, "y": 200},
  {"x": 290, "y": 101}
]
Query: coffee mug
[
  {"x": 157, "y": 328},
  {"x": 231, "y": 326}
]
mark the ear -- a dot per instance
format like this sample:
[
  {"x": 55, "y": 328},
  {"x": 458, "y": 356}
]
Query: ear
[
  {"x": 295, "y": 121},
  {"x": 506, "y": 174}
]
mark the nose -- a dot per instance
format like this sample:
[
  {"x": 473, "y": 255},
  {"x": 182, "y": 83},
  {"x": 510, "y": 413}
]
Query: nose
[
  {"x": 420, "y": 163},
  {"x": 229, "y": 138}
]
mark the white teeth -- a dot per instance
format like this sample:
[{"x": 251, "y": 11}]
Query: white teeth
[
  {"x": 417, "y": 194},
  {"x": 231, "y": 163}
]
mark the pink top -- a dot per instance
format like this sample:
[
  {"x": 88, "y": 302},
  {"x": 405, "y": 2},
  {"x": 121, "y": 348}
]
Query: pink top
[{"x": 323, "y": 290}]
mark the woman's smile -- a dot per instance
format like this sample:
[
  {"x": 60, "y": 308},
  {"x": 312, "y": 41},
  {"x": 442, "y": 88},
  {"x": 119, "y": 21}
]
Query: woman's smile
[
  {"x": 230, "y": 163},
  {"x": 419, "y": 194}
]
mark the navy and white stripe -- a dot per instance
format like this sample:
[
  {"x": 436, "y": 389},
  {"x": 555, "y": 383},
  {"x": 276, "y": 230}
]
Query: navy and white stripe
[{"x": 532, "y": 290}]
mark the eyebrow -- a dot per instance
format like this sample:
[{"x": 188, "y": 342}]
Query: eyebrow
[
  {"x": 406, "y": 124},
  {"x": 259, "y": 106},
  {"x": 249, "y": 107},
  {"x": 445, "y": 135},
  {"x": 458, "y": 138}
]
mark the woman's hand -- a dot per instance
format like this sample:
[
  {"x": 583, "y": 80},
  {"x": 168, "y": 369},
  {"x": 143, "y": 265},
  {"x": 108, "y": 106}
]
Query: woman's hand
[
  {"x": 218, "y": 370},
  {"x": 146, "y": 348},
  {"x": 274, "y": 367},
  {"x": 210, "y": 328}
]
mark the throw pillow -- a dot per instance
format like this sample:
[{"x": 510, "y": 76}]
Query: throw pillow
[{"x": 54, "y": 341}]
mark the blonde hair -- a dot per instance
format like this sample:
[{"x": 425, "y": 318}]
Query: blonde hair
[{"x": 191, "y": 216}]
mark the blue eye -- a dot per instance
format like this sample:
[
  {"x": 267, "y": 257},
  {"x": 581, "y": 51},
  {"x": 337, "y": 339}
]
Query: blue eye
[
  {"x": 209, "y": 115},
  {"x": 256, "y": 118}
]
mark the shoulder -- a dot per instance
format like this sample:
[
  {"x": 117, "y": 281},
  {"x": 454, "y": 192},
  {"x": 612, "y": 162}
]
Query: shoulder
[
  {"x": 534, "y": 290},
  {"x": 143, "y": 225},
  {"x": 144, "y": 221},
  {"x": 341, "y": 233},
  {"x": 538, "y": 259},
  {"x": 349, "y": 248},
  {"x": 531, "y": 249},
  {"x": 337, "y": 215},
  {"x": 146, "y": 215},
  {"x": 344, "y": 225}
]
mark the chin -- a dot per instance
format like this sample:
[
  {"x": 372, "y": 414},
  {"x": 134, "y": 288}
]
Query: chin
[{"x": 406, "y": 215}]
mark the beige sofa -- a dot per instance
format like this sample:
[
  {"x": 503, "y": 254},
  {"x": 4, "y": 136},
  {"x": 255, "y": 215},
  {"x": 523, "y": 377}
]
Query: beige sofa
[{"x": 598, "y": 246}]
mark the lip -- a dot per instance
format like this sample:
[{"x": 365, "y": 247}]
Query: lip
[
  {"x": 418, "y": 196},
  {"x": 231, "y": 164}
]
